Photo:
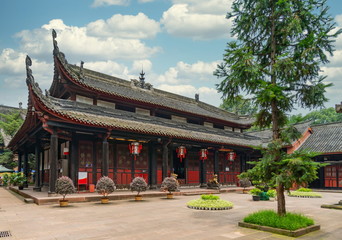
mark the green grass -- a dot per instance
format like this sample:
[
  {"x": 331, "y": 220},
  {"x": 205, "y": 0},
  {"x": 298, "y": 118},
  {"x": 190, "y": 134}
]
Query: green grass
[
  {"x": 304, "y": 190},
  {"x": 209, "y": 197},
  {"x": 291, "y": 221},
  {"x": 305, "y": 194},
  {"x": 201, "y": 203}
]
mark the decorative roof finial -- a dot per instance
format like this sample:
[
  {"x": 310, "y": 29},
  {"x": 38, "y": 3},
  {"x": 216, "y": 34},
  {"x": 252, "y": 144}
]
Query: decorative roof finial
[
  {"x": 81, "y": 69},
  {"x": 142, "y": 78},
  {"x": 197, "y": 97},
  {"x": 55, "y": 46},
  {"x": 29, "y": 76}
]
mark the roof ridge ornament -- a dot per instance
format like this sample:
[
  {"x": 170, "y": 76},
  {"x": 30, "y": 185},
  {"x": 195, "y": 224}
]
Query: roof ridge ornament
[
  {"x": 29, "y": 76},
  {"x": 55, "y": 44},
  {"x": 141, "y": 84},
  {"x": 81, "y": 71}
]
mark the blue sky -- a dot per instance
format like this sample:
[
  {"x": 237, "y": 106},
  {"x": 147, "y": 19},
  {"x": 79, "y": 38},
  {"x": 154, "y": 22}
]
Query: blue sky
[{"x": 177, "y": 42}]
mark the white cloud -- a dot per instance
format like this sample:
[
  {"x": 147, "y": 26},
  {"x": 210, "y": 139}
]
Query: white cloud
[
  {"x": 78, "y": 45},
  {"x": 199, "y": 72},
  {"x": 145, "y": 1},
  {"x": 198, "y": 19},
  {"x": 13, "y": 70},
  {"x": 100, "y": 3},
  {"x": 124, "y": 26},
  {"x": 206, "y": 94}
]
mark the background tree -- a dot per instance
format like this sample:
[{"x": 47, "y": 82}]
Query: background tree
[
  {"x": 11, "y": 122},
  {"x": 326, "y": 115},
  {"x": 239, "y": 105},
  {"x": 276, "y": 60}
]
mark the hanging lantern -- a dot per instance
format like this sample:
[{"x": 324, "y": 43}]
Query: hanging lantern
[
  {"x": 203, "y": 154},
  {"x": 231, "y": 156},
  {"x": 181, "y": 151},
  {"x": 135, "y": 149},
  {"x": 65, "y": 151}
]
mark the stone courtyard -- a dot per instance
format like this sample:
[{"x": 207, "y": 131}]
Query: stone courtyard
[{"x": 155, "y": 218}]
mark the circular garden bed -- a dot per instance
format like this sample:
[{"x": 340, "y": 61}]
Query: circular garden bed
[
  {"x": 305, "y": 194},
  {"x": 210, "y": 202}
]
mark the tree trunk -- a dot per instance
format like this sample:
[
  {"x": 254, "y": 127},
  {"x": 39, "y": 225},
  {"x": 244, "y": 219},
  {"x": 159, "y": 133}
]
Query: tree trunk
[{"x": 281, "y": 200}]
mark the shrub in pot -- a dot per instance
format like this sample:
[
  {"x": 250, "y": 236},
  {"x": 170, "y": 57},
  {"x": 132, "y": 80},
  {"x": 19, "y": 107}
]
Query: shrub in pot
[
  {"x": 244, "y": 181},
  {"x": 138, "y": 185},
  {"x": 169, "y": 184},
  {"x": 105, "y": 186},
  {"x": 18, "y": 179},
  {"x": 255, "y": 193},
  {"x": 64, "y": 186}
]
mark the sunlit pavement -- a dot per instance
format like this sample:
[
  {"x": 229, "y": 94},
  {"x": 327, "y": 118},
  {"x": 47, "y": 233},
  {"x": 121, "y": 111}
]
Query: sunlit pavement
[{"x": 155, "y": 218}]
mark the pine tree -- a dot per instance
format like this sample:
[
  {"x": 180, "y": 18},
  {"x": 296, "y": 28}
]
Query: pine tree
[{"x": 276, "y": 60}]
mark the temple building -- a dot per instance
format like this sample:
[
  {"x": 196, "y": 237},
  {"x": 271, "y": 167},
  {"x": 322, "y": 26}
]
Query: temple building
[{"x": 89, "y": 125}]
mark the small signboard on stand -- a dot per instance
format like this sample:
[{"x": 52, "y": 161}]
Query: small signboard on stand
[{"x": 82, "y": 180}]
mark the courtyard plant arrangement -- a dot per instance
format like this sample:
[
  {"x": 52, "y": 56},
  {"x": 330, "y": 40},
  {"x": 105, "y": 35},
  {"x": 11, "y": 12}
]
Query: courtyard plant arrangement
[
  {"x": 255, "y": 194},
  {"x": 138, "y": 185},
  {"x": 105, "y": 186},
  {"x": 18, "y": 179},
  {"x": 290, "y": 224},
  {"x": 64, "y": 186},
  {"x": 244, "y": 182},
  {"x": 210, "y": 202},
  {"x": 304, "y": 193},
  {"x": 169, "y": 184}
]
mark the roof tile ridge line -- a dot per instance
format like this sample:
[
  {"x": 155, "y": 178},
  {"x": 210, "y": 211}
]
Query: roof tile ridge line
[{"x": 325, "y": 124}]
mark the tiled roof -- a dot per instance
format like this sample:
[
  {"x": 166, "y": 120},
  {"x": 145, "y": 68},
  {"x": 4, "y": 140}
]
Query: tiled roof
[
  {"x": 97, "y": 116},
  {"x": 325, "y": 138},
  {"x": 266, "y": 135},
  {"x": 125, "y": 89}
]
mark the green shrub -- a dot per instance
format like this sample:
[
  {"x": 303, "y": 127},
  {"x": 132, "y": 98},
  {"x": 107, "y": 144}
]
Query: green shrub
[
  {"x": 304, "y": 190},
  {"x": 290, "y": 221},
  {"x": 272, "y": 193},
  {"x": 105, "y": 186},
  {"x": 209, "y": 197},
  {"x": 305, "y": 194},
  {"x": 201, "y": 203},
  {"x": 255, "y": 191},
  {"x": 64, "y": 186},
  {"x": 138, "y": 184}
]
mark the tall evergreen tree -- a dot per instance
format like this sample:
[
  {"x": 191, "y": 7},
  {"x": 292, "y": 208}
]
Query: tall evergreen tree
[{"x": 276, "y": 59}]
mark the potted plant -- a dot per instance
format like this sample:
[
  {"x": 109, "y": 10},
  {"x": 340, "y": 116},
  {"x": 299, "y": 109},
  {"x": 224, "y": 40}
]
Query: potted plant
[
  {"x": 105, "y": 186},
  {"x": 18, "y": 179},
  {"x": 255, "y": 194},
  {"x": 244, "y": 181},
  {"x": 64, "y": 186},
  {"x": 139, "y": 185},
  {"x": 169, "y": 184}
]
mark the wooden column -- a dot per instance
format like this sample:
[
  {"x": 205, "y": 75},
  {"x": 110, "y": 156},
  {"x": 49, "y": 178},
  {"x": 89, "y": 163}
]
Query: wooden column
[
  {"x": 203, "y": 174},
  {"x": 42, "y": 173},
  {"x": 105, "y": 157},
  {"x": 20, "y": 157},
  {"x": 53, "y": 163},
  {"x": 152, "y": 165},
  {"x": 37, "y": 183},
  {"x": 26, "y": 170},
  {"x": 216, "y": 165},
  {"x": 165, "y": 159},
  {"x": 74, "y": 158},
  {"x": 94, "y": 162}
]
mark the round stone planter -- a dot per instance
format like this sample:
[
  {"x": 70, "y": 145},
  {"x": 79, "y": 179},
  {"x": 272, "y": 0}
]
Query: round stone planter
[
  {"x": 208, "y": 208},
  {"x": 104, "y": 200},
  {"x": 138, "y": 198},
  {"x": 169, "y": 196},
  {"x": 63, "y": 203},
  {"x": 256, "y": 198}
]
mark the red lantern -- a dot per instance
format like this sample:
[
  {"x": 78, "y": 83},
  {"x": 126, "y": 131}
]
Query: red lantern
[
  {"x": 203, "y": 154},
  {"x": 231, "y": 156},
  {"x": 181, "y": 151},
  {"x": 135, "y": 149}
]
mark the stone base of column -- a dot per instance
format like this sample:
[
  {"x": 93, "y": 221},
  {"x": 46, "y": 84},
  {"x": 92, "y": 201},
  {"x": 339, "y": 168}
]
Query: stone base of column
[
  {"x": 153, "y": 187},
  {"x": 37, "y": 189},
  {"x": 203, "y": 185},
  {"x": 52, "y": 194}
]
